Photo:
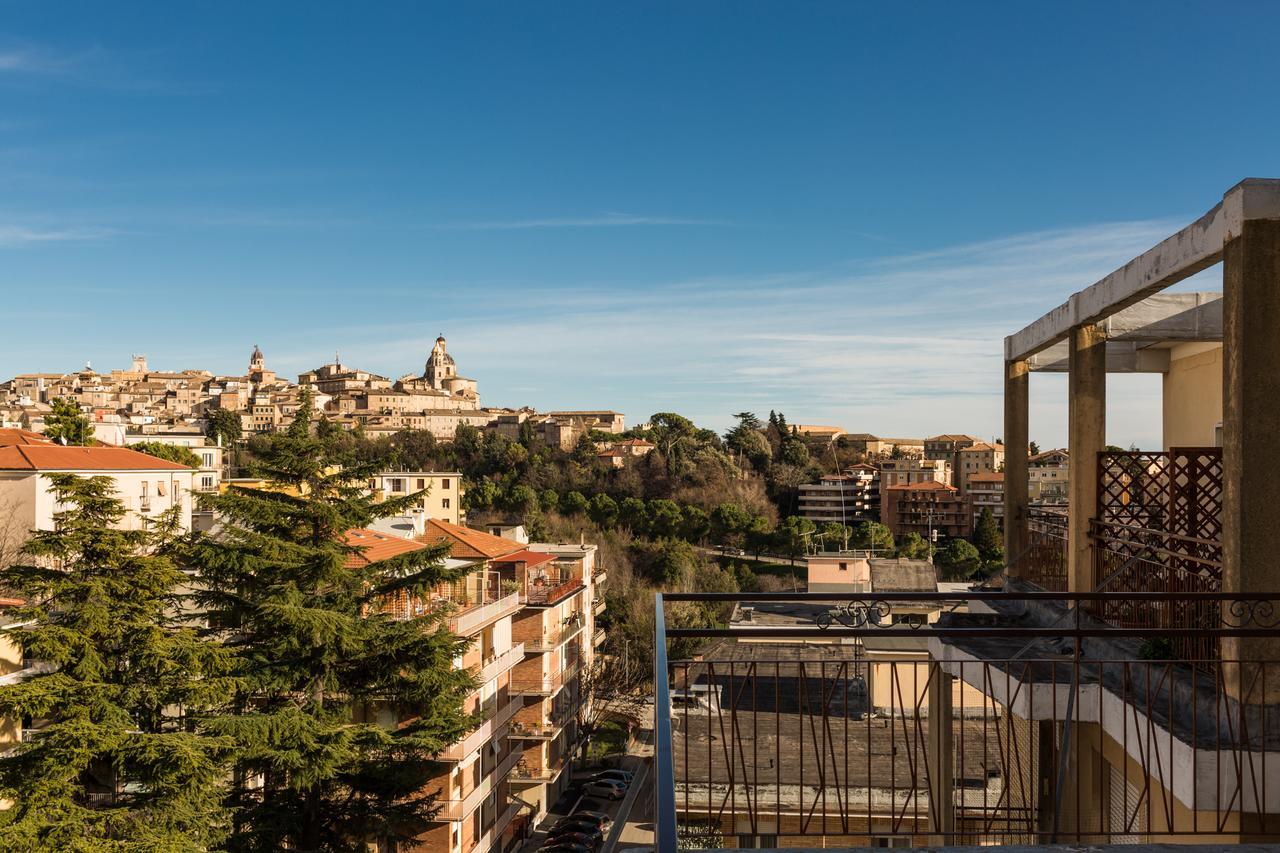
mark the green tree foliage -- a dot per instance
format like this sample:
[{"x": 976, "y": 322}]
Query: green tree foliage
[
  {"x": 481, "y": 495},
  {"x": 549, "y": 500},
  {"x": 522, "y": 500},
  {"x": 793, "y": 534},
  {"x": 874, "y": 536},
  {"x": 224, "y": 424},
  {"x": 913, "y": 546},
  {"x": 958, "y": 559},
  {"x": 664, "y": 518},
  {"x": 1034, "y": 448},
  {"x": 987, "y": 538},
  {"x": 604, "y": 511},
  {"x": 574, "y": 503},
  {"x": 126, "y": 760},
  {"x": 833, "y": 535},
  {"x": 169, "y": 452},
  {"x": 759, "y": 536},
  {"x": 729, "y": 523},
  {"x": 695, "y": 524},
  {"x": 794, "y": 452},
  {"x": 65, "y": 423},
  {"x": 748, "y": 440},
  {"x": 317, "y": 658},
  {"x": 634, "y": 515}
]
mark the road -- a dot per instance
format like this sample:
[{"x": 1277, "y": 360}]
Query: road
[{"x": 798, "y": 563}]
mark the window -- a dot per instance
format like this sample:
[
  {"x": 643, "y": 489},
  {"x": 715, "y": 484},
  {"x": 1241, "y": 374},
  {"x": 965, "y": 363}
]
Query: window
[
  {"x": 160, "y": 489},
  {"x": 144, "y": 488},
  {"x": 422, "y": 484},
  {"x": 444, "y": 503},
  {"x": 397, "y": 484},
  {"x": 844, "y": 567},
  {"x": 444, "y": 484},
  {"x": 206, "y": 482}
]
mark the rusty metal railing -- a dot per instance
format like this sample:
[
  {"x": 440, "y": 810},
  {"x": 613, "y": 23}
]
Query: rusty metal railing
[{"x": 1012, "y": 717}]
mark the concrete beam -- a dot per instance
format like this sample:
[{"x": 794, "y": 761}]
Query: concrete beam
[
  {"x": 1194, "y": 248},
  {"x": 1122, "y": 357}
]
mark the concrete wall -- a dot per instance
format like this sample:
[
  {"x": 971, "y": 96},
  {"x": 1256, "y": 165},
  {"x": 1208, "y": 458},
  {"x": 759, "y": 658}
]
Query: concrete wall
[
  {"x": 1193, "y": 395},
  {"x": 839, "y": 573}
]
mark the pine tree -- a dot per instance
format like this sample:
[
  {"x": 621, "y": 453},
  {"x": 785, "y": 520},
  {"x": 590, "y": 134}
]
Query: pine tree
[
  {"x": 67, "y": 424},
  {"x": 316, "y": 656},
  {"x": 121, "y": 683},
  {"x": 987, "y": 538}
]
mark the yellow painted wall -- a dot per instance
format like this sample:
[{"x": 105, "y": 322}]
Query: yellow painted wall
[{"x": 1193, "y": 395}]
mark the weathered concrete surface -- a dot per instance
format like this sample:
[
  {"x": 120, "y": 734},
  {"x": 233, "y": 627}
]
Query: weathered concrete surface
[
  {"x": 1086, "y": 436},
  {"x": 1251, "y": 441},
  {"x": 1016, "y": 438},
  {"x": 1194, "y": 248}
]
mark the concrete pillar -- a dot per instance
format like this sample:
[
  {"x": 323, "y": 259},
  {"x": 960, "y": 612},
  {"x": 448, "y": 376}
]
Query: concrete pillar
[
  {"x": 1016, "y": 438},
  {"x": 1086, "y": 437},
  {"x": 941, "y": 758},
  {"x": 1251, "y": 440}
]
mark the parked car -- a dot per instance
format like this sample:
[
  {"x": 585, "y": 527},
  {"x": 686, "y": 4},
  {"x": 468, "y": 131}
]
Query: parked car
[
  {"x": 565, "y": 847},
  {"x": 592, "y": 841},
  {"x": 609, "y": 788},
  {"x": 587, "y": 809},
  {"x": 578, "y": 824},
  {"x": 620, "y": 775}
]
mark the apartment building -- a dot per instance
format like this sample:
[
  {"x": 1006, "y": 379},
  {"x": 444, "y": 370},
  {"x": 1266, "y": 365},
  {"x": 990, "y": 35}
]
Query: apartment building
[
  {"x": 928, "y": 507},
  {"x": 443, "y": 491},
  {"x": 1048, "y": 477},
  {"x": 208, "y": 477},
  {"x": 562, "y": 598},
  {"x": 980, "y": 458},
  {"x": 477, "y": 812},
  {"x": 908, "y": 471},
  {"x": 147, "y": 486},
  {"x": 946, "y": 446},
  {"x": 986, "y": 491},
  {"x": 846, "y": 498}
]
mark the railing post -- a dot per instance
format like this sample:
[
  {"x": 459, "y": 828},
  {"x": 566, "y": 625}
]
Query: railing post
[
  {"x": 941, "y": 757},
  {"x": 664, "y": 771}
]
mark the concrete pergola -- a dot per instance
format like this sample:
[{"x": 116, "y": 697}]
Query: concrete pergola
[{"x": 1124, "y": 323}]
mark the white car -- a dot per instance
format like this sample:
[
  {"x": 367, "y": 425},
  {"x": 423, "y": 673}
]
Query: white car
[{"x": 609, "y": 788}]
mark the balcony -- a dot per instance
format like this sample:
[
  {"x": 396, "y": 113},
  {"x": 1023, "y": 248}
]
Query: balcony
[
  {"x": 478, "y": 616},
  {"x": 489, "y": 840},
  {"x": 1016, "y": 718},
  {"x": 500, "y": 664},
  {"x": 497, "y": 718},
  {"x": 460, "y": 809},
  {"x": 547, "y": 729},
  {"x": 545, "y": 592},
  {"x": 551, "y": 641},
  {"x": 525, "y": 772},
  {"x": 545, "y": 686}
]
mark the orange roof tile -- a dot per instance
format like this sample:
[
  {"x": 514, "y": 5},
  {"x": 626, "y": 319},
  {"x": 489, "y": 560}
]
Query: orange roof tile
[
  {"x": 987, "y": 477},
  {"x": 375, "y": 546},
  {"x": 56, "y": 457},
  {"x": 467, "y": 543},
  {"x": 926, "y": 486},
  {"x": 529, "y": 558},
  {"x": 10, "y": 437}
]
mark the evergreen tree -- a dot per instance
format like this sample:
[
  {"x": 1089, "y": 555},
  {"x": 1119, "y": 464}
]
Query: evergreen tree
[
  {"x": 987, "y": 538},
  {"x": 317, "y": 657},
  {"x": 224, "y": 425},
  {"x": 124, "y": 760},
  {"x": 171, "y": 452},
  {"x": 65, "y": 423}
]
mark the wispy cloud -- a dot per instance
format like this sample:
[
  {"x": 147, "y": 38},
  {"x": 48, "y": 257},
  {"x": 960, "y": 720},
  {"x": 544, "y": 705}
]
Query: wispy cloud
[
  {"x": 12, "y": 236},
  {"x": 604, "y": 220}
]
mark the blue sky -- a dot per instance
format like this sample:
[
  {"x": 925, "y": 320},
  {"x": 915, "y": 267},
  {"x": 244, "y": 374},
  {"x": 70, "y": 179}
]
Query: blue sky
[{"x": 836, "y": 210}]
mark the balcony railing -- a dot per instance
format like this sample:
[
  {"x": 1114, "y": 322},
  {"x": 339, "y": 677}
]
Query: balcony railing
[
  {"x": 500, "y": 664},
  {"x": 1015, "y": 718},
  {"x": 527, "y": 772},
  {"x": 472, "y": 620},
  {"x": 568, "y": 629},
  {"x": 458, "y": 809},
  {"x": 544, "y": 685},
  {"x": 547, "y": 594},
  {"x": 497, "y": 717},
  {"x": 546, "y": 729}
]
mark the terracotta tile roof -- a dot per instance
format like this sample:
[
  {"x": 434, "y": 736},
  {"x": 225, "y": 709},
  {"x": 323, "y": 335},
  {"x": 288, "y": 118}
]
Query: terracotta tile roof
[
  {"x": 56, "y": 457},
  {"x": 609, "y": 454},
  {"x": 529, "y": 558},
  {"x": 954, "y": 437},
  {"x": 983, "y": 447},
  {"x": 468, "y": 543},
  {"x": 1049, "y": 454},
  {"x": 635, "y": 442},
  {"x": 987, "y": 477},
  {"x": 926, "y": 486},
  {"x": 10, "y": 437},
  {"x": 375, "y": 546}
]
